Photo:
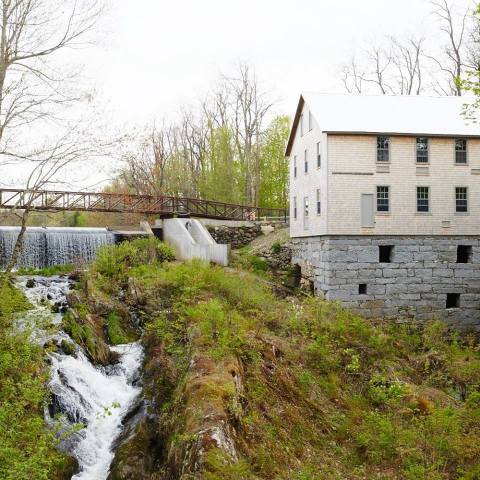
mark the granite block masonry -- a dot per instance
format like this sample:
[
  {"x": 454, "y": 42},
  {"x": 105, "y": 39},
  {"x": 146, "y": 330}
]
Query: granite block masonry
[{"x": 400, "y": 277}]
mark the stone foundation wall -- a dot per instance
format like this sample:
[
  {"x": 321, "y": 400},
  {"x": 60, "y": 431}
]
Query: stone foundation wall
[
  {"x": 414, "y": 284},
  {"x": 235, "y": 236},
  {"x": 279, "y": 258}
]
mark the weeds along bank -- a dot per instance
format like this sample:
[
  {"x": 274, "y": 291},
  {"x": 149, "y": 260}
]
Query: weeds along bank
[{"x": 239, "y": 383}]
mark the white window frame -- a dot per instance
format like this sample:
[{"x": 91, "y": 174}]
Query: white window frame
[
  {"x": 319, "y": 202},
  {"x": 294, "y": 208},
  {"x": 383, "y": 162},
  {"x": 387, "y": 198},
  {"x": 455, "y": 151},
  {"x": 294, "y": 166},
  {"x": 417, "y": 151},
  {"x": 301, "y": 125},
  {"x": 423, "y": 212},
  {"x": 319, "y": 155},
  {"x": 466, "y": 199},
  {"x": 305, "y": 161}
]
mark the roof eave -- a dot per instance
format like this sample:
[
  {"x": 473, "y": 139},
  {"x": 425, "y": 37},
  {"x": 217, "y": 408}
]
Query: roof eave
[
  {"x": 399, "y": 134},
  {"x": 293, "y": 131}
]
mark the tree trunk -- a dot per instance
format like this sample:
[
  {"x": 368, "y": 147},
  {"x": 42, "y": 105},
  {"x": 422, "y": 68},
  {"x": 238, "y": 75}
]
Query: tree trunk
[{"x": 17, "y": 250}]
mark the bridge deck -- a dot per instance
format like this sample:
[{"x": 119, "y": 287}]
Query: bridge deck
[{"x": 163, "y": 206}]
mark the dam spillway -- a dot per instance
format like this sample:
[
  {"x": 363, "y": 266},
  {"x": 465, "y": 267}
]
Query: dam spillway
[{"x": 44, "y": 247}]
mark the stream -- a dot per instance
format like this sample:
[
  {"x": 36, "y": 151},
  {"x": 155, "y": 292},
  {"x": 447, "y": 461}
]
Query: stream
[{"x": 97, "y": 397}]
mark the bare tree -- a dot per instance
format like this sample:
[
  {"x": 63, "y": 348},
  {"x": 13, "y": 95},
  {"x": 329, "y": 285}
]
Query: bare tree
[
  {"x": 407, "y": 58},
  {"x": 213, "y": 152},
  {"x": 45, "y": 165},
  {"x": 454, "y": 26},
  {"x": 392, "y": 68},
  {"x": 472, "y": 55},
  {"x": 352, "y": 78},
  {"x": 34, "y": 92},
  {"x": 249, "y": 106},
  {"x": 407, "y": 66},
  {"x": 146, "y": 165}
]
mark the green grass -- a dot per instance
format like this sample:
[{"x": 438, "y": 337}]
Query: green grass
[
  {"x": 117, "y": 332},
  {"x": 48, "y": 271}
]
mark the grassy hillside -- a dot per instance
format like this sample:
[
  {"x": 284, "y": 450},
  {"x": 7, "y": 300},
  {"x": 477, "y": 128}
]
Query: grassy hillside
[{"x": 245, "y": 385}]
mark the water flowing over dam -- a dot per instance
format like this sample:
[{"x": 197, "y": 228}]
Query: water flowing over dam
[
  {"x": 95, "y": 397},
  {"x": 44, "y": 247}
]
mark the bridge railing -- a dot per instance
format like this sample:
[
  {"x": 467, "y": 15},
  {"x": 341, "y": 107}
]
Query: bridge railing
[{"x": 128, "y": 203}]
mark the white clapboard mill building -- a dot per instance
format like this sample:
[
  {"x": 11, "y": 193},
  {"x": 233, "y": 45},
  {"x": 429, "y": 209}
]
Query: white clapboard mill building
[{"x": 385, "y": 204}]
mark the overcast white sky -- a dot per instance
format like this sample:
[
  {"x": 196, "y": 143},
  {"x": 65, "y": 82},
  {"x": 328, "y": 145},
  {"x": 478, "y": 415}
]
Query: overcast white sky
[{"x": 157, "y": 55}]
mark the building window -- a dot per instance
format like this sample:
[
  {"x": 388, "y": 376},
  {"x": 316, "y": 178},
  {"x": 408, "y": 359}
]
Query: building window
[
  {"x": 305, "y": 212},
  {"x": 422, "y": 150},
  {"x": 295, "y": 166},
  {"x": 319, "y": 155},
  {"x": 385, "y": 253},
  {"x": 362, "y": 289},
  {"x": 294, "y": 208},
  {"x": 310, "y": 123},
  {"x": 453, "y": 300},
  {"x": 460, "y": 151},
  {"x": 423, "y": 199},
  {"x": 383, "y": 199},
  {"x": 464, "y": 253},
  {"x": 301, "y": 125},
  {"x": 383, "y": 148},
  {"x": 461, "y": 199},
  {"x": 319, "y": 205},
  {"x": 306, "y": 161}
]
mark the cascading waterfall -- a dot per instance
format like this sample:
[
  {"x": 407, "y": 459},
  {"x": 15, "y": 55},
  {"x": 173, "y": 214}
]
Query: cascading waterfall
[
  {"x": 97, "y": 397},
  {"x": 44, "y": 247}
]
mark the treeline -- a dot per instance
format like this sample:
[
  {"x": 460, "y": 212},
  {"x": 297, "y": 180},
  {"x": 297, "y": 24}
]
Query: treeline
[{"x": 230, "y": 148}]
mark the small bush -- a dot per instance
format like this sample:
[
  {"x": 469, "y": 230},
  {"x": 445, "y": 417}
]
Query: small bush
[
  {"x": 259, "y": 264},
  {"x": 383, "y": 390},
  {"x": 114, "y": 261},
  {"x": 276, "y": 247}
]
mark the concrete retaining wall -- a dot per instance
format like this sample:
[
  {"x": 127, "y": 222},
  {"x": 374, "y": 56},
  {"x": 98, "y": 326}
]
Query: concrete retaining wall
[
  {"x": 190, "y": 240},
  {"x": 415, "y": 284}
]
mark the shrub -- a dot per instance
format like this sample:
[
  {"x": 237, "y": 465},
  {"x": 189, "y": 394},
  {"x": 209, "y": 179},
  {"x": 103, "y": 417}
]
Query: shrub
[
  {"x": 276, "y": 247},
  {"x": 114, "y": 261},
  {"x": 259, "y": 264}
]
